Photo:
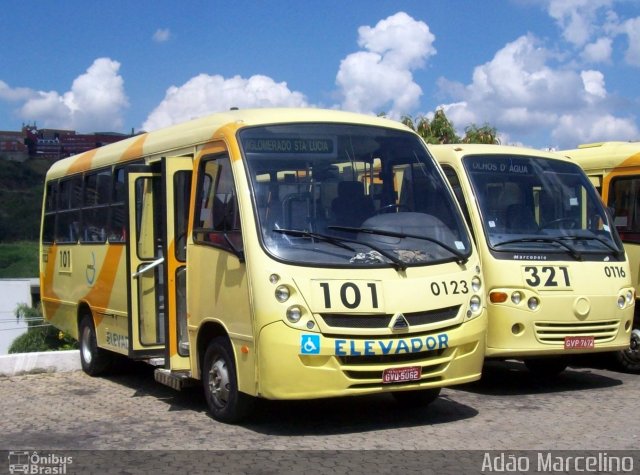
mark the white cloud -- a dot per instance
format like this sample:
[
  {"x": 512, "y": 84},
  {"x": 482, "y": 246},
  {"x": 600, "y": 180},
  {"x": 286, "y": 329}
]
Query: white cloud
[
  {"x": 599, "y": 51},
  {"x": 521, "y": 94},
  {"x": 632, "y": 30},
  {"x": 161, "y": 35},
  {"x": 594, "y": 86},
  {"x": 578, "y": 18},
  {"x": 572, "y": 130},
  {"x": 95, "y": 102},
  {"x": 380, "y": 78},
  {"x": 8, "y": 93},
  {"x": 206, "y": 94}
]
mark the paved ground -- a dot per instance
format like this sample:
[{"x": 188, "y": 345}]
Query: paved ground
[{"x": 585, "y": 408}]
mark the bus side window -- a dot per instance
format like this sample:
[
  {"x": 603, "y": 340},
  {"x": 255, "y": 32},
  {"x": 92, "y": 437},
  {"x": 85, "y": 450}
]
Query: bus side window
[
  {"x": 117, "y": 223},
  {"x": 217, "y": 215},
  {"x": 624, "y": 198},
  {"x": 69, "y": 202},
  {"x": 454, "y": 181}
]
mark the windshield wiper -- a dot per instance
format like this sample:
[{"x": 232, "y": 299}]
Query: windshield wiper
[
  {"x": 461, "y": 258},
  {"x": 618, "y": 253},
  {"x": 572, "y": 251},
  {"x": 340, "y": 242}
]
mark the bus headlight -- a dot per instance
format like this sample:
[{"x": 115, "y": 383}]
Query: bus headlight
[
  {"x": 475, "y": 303},
  {"x": 294, "y": 314},
  {"x": 516, "y": 297},
  {"x": 282, "y": 293},
  {"x": 476, "y": 284},
  {"x": 629, "y": 297},
  {"x": 533, "y": 303},
  {"x": 621, "y": 301}
]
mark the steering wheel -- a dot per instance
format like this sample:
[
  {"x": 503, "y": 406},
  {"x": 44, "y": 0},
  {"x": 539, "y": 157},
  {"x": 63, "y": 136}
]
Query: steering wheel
[
  {"x": 395, "y": 206},
  {"x": 558, "y": 223}
]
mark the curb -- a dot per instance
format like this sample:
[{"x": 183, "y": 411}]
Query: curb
[{"x": 44, "y": 362}]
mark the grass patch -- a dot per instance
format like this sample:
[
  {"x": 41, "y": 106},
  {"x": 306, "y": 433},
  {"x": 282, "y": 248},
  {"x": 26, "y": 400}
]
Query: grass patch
[{"x": 19, "y": 259}]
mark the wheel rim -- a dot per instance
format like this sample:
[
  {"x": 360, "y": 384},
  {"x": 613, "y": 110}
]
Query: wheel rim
[
  {"x": 219, "y": 382},
  {"x": 85, "y": 343},
  {"x": 633, "y": 352}
]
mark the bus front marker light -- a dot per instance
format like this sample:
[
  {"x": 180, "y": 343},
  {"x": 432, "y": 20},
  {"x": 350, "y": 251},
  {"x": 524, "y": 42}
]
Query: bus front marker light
[
  {"x": 498, "y": 297},
  {"x": 294, "y": 314},
  {"x": 516, "y": 297},
  {"x": 621, "y": 301},
  {"x": 476, "y": 283},
  {"x": 310, "y": 324},
  {"x": 274, "y": 278},
  {"x": 629, "y": 297},
  {"x": 282, "y": 293},
  {"x": 475, "y": 303},
  {"x": 533, "y": 303}
]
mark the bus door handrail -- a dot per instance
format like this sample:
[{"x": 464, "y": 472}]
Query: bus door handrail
[{"x": 151, "y": 265}]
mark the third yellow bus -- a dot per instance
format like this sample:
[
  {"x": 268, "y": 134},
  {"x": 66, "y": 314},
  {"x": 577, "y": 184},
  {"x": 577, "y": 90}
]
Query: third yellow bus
[{"x": 614, "y": 168}]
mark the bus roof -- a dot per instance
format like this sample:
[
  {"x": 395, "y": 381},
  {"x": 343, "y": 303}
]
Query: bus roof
[
  {"x": 455, "y": 152},
  {"x": 605, "y": 154},
  {"x": 202, "y": 130}
]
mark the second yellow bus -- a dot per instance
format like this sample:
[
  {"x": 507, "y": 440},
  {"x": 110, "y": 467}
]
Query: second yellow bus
[{"x": 556, "y": 273}]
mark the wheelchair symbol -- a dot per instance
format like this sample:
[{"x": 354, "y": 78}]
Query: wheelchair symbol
[{"x": 310, "y": 344}]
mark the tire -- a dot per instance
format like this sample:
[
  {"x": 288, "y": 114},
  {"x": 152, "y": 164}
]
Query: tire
[
  {"x": 94, "y": 360},
  {"x": 629, "y": 359},
  {"x": 546, "y": 367},
  {"x": 419, "y": 397},
  {"x": 220, "y": 382}
]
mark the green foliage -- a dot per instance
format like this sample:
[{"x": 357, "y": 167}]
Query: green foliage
[
  {"x": 485, "y": 134},
  {"x": 19, "y": 259},
  {"x": 40, "y": 336},
  {"x": 21, "y": 187},
  {"x": 439, "y": 130}
]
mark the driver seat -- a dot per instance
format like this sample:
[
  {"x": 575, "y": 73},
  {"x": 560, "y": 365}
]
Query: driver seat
[{"x": 351, "y": 207}]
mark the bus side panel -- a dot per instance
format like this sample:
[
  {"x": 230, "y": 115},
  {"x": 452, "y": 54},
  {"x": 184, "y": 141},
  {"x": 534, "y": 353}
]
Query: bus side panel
[
  {"x": 93, "y": 275},
  {"x": 217, "y": 291}
]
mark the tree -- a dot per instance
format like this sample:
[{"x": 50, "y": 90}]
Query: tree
[
  {"x": 439, "y": 130},
  {"x": 40, "y": 336},
  {"x": 484, "y": 134}
]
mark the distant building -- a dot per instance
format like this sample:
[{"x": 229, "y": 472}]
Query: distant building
[
  {"x": 52, "y": 144},
  {"x": 55, "y": 144}
]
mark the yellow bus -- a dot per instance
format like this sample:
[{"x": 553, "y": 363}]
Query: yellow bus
[
  {"x": 614, "y": 168},
  {"x": 255, "y": 251},
  {"x": 555, "y": 271}
]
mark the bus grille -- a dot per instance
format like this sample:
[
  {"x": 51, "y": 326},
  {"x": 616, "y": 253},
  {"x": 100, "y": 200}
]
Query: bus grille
[
  {"x": 554, "y": 333},
  {"x": 338, "y": 320},
  {"x": 366, "y": 371}
]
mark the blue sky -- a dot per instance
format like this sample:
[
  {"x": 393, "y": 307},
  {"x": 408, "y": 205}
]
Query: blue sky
[{"x": 546, "y": 73}]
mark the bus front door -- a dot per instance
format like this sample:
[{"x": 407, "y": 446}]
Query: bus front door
[
  {"x": 158, "y": 217},
  {"x": 146, "y": 248}
]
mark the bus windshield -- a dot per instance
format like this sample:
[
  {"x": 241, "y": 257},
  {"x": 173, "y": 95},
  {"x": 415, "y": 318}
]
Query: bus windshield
[
  {"x": 351, "y": 195},
  {"x": 539, "y": 204}
]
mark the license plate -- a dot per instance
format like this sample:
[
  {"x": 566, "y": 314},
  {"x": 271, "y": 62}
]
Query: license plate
[
  {"x": 401, "y": 375},
  {"x": 579, "y": 342}
]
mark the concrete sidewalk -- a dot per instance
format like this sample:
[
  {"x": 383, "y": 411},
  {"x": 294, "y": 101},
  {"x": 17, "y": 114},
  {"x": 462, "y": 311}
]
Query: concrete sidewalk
[{"x": 45, "y": 362}]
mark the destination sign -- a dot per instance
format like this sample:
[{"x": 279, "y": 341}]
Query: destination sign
[
  {"x": 519, "y": 167},
  {"x": 298, "y": 145}
]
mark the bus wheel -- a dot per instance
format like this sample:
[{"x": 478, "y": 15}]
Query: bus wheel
[
  {"x": 546, "y": 367},
  {"x": 629, "y": 358},
  {"x": 419, "y": 397},
  {"x": 94, "y": 360},
  {"x": 220, "y": 382}
]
